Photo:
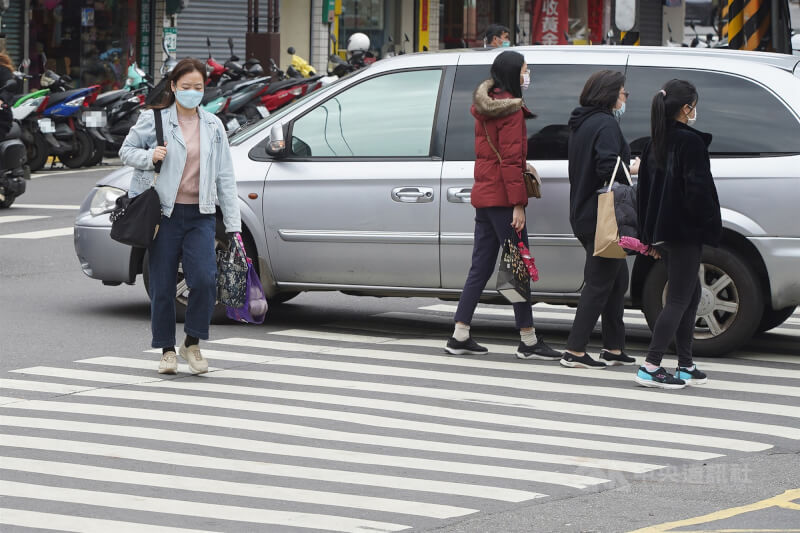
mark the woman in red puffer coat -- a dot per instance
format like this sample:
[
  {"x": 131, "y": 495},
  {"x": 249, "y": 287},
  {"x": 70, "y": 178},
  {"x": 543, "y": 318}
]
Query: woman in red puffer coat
[{"x": 499, "y": 197}]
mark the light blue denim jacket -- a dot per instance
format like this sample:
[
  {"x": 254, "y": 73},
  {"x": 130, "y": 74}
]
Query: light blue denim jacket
[{"x": 217, "y": 181}]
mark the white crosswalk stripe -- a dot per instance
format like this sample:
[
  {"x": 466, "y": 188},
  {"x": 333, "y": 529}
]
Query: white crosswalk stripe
[
  {"x": 42, "y": 234},
  {"x": 338, "y": 429}
]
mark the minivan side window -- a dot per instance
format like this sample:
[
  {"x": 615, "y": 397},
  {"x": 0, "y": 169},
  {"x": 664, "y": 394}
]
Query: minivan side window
[
  {"x": 743, "y": 117},
  {"x": 386, "y": 116},
  {"x": 554, "y": 92}
]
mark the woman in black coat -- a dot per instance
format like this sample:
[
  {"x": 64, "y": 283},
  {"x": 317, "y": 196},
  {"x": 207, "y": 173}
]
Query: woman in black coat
[
  {"x": 679, "y": 212},
  {"x": 595, "y": 143}
]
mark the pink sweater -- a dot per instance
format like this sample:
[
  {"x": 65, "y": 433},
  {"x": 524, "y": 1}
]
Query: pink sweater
[{"x": 189, "y": 189}]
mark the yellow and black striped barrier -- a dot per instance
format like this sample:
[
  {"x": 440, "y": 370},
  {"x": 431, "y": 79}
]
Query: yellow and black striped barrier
[
  {"x": 748, "y": 23},
  {"x": 630, "y": 38}
]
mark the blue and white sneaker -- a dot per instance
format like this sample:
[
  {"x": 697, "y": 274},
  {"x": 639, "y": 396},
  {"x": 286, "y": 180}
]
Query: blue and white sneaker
[
  {"x": 691, "y": 377},
  {"x": 659, "y": 378}
]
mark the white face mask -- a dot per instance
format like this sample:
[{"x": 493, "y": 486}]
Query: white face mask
[
  {"x": 526, "y": 80},
  {"x": 691, "y": 120}
]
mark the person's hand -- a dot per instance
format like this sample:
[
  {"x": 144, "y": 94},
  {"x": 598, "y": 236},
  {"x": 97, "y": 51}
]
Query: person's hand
[
  {"x": 653, "y": 252},
  {"x": 635, "y": 166},
  {"x": 159, "y": 153},
  {"x": 518, "y": 218}
]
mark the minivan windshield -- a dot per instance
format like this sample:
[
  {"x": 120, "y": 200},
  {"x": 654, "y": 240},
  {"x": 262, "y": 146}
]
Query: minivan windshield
[{"x": 255, "y": 128}]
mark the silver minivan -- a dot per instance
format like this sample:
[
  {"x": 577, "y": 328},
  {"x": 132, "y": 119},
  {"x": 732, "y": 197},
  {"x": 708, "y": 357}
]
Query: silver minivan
[{"x": 370, "y": 193}]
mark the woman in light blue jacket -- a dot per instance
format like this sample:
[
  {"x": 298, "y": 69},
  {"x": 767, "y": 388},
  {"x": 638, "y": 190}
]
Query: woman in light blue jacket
[{"x": 196, "y": 174}]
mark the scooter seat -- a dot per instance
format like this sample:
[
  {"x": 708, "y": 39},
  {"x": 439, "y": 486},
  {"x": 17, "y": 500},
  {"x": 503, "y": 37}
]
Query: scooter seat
[
  {"x": 58, "y": 97},
  {"x": 109, "y": 97},
  {"x": 294, "y": 82}
]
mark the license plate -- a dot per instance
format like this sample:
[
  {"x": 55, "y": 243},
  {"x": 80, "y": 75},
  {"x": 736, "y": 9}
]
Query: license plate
[
  {"x": 232, "y": 124},
  {"x": 263, "y": 111},
  {"x": 46, "y": 125},
  {"x": 95, "y": 119}
]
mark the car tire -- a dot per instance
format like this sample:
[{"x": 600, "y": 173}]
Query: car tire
[
  {"x": 83, "y": 151},
  {"x": 732, "y": 298},
  {"x": 772, "y": 318},
  {"x": 37, "y": 152}
]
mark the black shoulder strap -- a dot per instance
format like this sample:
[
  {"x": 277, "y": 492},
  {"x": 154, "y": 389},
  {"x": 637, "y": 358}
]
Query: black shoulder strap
[{"x": 159, "y": 134}]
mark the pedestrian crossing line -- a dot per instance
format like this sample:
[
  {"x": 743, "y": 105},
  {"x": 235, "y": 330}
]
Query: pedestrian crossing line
[
  {"x": 20, "y": 218},
  {"x": 90, "y": 375},
  {"x": 438, "y": 427},
  {"x": 792, "y": 359},
  {"x": 206, "y": 485},
  {"x": 506, "y": 382},
  {"x": 197, "y": 509},
  {"x": 630, "y": 318},
  {"x": 377, "y": 421},
  {"x": 470, "y": 416},
  {"x": 41, "y": 386},
  {"x": 47, "y": 206},
  {"x": 318, "y": 434},
  {"x": 81, "y": 524},
  {"x": 430, "y": 486},
  {"x": 554, "y": 369},
  {"x": 345, "y": 456},
  {"x": 221, "y": 355},
  {"x": 42, "y": 234}
]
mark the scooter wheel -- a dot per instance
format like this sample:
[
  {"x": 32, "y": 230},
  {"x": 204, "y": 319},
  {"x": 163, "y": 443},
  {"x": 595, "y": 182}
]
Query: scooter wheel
[
  {"x": 83, "y": 151},
  {"x": 37, "y": 152},
  {"x": 98, "y": 151}
]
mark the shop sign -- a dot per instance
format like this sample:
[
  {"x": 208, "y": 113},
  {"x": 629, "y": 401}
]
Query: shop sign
[
  {"x": 87, "y": 17},
  {"x": 550, "y": 23},
  {"x": 328, "y": 9},
  {"x": 171, "y": 40},
  {"x": 144, "y": 40}
]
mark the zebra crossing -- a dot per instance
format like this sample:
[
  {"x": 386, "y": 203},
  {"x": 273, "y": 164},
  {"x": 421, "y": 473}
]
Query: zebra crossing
[
  {"x": 346, "y": 429},
  {"x": 13, "y": 225}
]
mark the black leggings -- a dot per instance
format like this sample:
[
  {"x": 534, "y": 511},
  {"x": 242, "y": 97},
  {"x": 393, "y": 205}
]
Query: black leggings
[
  {"x": 678, "y": 317},
  {"x": 605, "y": 283}
]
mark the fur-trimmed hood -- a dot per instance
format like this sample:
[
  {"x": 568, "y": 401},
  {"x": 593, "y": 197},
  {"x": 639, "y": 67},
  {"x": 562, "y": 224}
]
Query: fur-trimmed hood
[{"x": 486, "y": 106}]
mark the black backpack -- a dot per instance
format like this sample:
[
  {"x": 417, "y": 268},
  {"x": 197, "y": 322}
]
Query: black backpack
[{"x": 135, "y": 220}]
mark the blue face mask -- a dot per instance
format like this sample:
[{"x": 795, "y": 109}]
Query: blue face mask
[
  {"x": 189, "y": 98},
  {"x": 619, "y": 112},
  {"x": 506, "y": 44}
]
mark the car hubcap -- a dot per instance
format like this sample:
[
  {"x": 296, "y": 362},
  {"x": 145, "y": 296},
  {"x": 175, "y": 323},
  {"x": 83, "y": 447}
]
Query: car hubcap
[{"x": 719, "y": 302}]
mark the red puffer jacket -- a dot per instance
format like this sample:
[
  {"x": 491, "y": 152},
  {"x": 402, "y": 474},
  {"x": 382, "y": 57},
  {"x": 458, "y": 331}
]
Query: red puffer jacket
[{"x": 496, "y": 184}]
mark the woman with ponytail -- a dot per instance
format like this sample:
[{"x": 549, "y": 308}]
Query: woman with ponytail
[{"x": 679, "y": 212}]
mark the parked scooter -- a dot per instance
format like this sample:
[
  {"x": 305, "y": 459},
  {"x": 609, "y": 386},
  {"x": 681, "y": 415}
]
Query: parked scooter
[
  {"x": 26, "y": 111},
  {"x": 66, "y": 133},
  {"x": 13, "y": 170}
]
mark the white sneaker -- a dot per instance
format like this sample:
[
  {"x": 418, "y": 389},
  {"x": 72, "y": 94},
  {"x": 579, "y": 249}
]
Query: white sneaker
[
  {"x": 196, "y": 361},
  {"x": 168, "y": 364}
]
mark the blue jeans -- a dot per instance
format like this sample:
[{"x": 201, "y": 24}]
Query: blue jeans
[
  {"x": 492, "y": 228},
  {"x": 188, "y": 235}
]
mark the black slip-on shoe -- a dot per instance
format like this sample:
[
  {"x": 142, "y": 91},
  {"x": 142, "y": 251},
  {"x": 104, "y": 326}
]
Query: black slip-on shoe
[
  {"x": 467, "y": 347},
  {"x": 612, "y": 359},
  {"x": 584, "y": 361},
  {"x": 691, "y": 377},
  {"x": 541, "y": 351}
]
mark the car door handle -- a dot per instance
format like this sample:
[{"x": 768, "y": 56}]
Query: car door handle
[
  {"x": 412, "y": 194},
  {"x": 459, "y": 195}
]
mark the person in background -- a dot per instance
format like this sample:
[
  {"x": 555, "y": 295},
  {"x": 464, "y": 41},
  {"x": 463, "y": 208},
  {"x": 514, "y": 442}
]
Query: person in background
[
  {"x": 496, "y": 36},
  {"x": 499, "y": 197},
  {"x": 679, "y": 211},
  {"x": 6, "y": 95},
  {"x": 595, "y": 143},
  {"x": 196, "y": 168}
]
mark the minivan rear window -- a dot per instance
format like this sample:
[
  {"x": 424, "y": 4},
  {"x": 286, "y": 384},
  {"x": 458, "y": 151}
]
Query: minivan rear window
[
  {"x": 743, "y": 117},
  {"x": 553, "y": 94}
]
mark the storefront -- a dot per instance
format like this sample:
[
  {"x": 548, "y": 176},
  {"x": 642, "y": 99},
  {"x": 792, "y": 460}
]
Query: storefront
[
  {"x": 462, "y": 23},
  {"x": 385, "y": 22}
]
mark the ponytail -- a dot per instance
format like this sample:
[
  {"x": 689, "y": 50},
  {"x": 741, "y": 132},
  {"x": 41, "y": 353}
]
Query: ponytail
[{"x": 666, "y": 105}]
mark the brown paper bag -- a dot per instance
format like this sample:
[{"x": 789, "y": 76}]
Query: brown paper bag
[{"x": 606, "y": 236}]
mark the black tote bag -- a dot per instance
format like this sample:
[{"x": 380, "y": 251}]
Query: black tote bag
[{"x": 135, "y": 221}]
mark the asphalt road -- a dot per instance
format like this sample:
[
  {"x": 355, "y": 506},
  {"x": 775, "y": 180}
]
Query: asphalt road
[{"x": 343, "y": 413}]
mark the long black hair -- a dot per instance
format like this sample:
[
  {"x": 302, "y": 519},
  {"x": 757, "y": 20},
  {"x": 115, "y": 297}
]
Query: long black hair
[
  {"x": 602, "y": 89},
  {"x": 665, "y": 107},
  {"x": 506, "y": 72},
  {"x": 184, "y": 66}
]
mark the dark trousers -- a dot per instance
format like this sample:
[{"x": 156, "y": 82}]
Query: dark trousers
[
  {"x": 187, "y": 235},
  {"x": 605, "y": 282},
  {"x": 492, "y": 228},
  {"x": 678, "y": 317}
]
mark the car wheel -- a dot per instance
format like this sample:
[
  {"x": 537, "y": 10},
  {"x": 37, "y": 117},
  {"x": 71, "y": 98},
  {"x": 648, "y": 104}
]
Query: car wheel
[
  {"x": 731, "y": 304},
  {"x": 83, "y": 151},
  {"x": 773, "y": 318},
  {"x": 37, "y": 152}
]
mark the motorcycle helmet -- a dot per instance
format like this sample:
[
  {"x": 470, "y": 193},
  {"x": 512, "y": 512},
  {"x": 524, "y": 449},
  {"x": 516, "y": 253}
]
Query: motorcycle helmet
[
  {"x": 256, "y": 69},
  {"x": 357, "y": 43},
  {"x": 48, "y": 78}
]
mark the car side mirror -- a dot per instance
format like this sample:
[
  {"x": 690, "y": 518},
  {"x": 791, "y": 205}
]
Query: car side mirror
[{"x": 277, "y": 144}]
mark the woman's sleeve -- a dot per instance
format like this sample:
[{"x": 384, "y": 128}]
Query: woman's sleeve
[
  {"x": 609, "y": 144},
  {"x": 511, "y": 145},
  {"x": 135, "y": 151},
  {"x": 227, "y": 192}
]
